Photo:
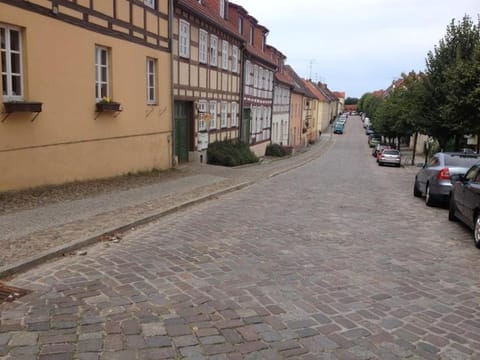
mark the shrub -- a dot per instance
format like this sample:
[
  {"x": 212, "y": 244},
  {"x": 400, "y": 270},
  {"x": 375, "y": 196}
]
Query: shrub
[
  {"x": 230, "y": 153},
  {"x": 278, "y": 150}
]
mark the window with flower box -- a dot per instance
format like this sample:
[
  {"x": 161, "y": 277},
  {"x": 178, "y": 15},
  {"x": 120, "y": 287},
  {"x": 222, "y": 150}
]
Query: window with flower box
[
  {"x": 102, "y": 69},
  {"x": 11, "y": 60}
]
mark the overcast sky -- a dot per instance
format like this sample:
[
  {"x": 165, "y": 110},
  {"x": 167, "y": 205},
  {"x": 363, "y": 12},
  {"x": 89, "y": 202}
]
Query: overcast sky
[{"x": 357, "y": 46}]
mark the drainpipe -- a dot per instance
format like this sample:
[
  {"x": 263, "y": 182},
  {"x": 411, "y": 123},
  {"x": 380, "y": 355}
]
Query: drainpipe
[
  {"x": 172, "y": 102},
  {"x": 242, "y": 85}
]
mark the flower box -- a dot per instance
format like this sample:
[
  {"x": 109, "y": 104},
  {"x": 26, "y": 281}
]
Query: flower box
[
  {"x": 108, "y": 106},
  {"x": 22, "y": 106}
]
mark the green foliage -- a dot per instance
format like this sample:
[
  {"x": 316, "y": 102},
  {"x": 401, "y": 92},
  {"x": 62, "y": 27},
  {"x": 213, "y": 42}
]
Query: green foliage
[
  {"x": 278, "y": 150},
  {"x": 230, "y": 153},
  {"x": 452, "y": 83},
  {"x": 351, "y": 101}
]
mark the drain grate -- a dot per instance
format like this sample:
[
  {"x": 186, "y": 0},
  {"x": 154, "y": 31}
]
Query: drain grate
[{"x": 11, "y": 293}]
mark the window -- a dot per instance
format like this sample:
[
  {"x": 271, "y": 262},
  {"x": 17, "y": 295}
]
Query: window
[
  {"x": 202, "y": 110},
  {"x": 102, "y": 86},
  {"x": 234, "y": 59},
  {"x": 248, "y": 71},
  {"x": 255, "y": 76},
  {"x": 251, "y": 35},
  {"x": 203, "y": 47},
  {"x": 213, "y": 50},
  {"x": 223, "y": 115},
  {"x": 213, "y": 113},
  {"x": 11, "y": 55},
  {"x": 234, "y": 114},
  {"x": 222, "y": 8},
  {"x": 149, "y": 3},
  {"x": 240, "y": 26},
  {"x": 263, "y": 42},
  {"x": 225, "y": 55},
  {"x": 184, "y": 39},
  {"x": 151, "y": 81}
]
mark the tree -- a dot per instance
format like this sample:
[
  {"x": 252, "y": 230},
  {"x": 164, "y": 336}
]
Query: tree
[
  {"x": 351, "y": 101},
  {"x": 452, "y": 82}
]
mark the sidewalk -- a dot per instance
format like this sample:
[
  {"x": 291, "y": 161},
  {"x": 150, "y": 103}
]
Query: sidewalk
[{"x": 32, "y": 236}]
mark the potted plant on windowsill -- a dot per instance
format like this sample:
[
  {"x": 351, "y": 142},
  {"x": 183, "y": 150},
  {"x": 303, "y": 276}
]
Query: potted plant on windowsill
[
  {"x": 22, "y": 106},
  {"x": 106, "y": 104}
]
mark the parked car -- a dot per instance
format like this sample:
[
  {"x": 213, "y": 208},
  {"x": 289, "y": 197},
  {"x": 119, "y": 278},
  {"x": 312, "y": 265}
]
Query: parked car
[
  {"x": 380, "y": 147},
  {"x": 389, "y": 157},
  {"x": 339, "y": 128},
  {"x": 374, "y": 140},
  {"x": 465, "y": 201},
  {"x": 435, "y": 180}
]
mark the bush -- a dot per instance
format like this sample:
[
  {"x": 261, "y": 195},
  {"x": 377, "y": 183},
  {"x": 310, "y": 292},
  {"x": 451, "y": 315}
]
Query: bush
[
  {"x": 230, "y": 153},
  {"x": 278, "y": 150}
]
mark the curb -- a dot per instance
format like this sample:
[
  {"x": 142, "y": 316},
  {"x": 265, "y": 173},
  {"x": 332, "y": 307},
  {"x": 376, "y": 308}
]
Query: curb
[{"x": 24, "y": 265}]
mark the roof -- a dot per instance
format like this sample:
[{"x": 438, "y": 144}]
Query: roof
[
  {"x": 315, "y": 90},
  {"x": 326, "y": 92},
  {"x": 298, "y": 85},
  {"x": 212, "y": 17},
  {"x": 339, "y": 94}
]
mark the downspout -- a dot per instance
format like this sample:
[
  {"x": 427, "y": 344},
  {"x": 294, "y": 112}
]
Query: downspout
[
  {"x": 172, "y": 102},
  {"x": 242, "y": 85}
]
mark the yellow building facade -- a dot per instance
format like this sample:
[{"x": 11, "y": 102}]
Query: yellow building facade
[{"x": 86, "y": 90}]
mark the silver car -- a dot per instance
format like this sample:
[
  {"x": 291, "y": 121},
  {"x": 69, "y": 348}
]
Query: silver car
[
  {"x": 389, "y": 157},
  {"x": 434, "y": 181}
]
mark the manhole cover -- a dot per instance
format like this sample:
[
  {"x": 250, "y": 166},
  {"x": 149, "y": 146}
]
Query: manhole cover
[{"x": 11, "y": 293}]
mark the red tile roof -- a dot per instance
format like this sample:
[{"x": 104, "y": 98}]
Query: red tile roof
[{"x": 210, "y": 15}]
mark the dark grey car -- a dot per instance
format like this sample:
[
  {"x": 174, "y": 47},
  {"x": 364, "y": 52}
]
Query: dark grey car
[
  {"x": 434, "y": 181},
  {"x": 465, "y": 201}
]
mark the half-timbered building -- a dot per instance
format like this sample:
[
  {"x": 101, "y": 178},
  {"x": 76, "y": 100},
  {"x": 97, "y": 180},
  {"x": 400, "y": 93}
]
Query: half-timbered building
[
  {"x": 86, "y": 90},
  {"x": 282, "y": 86},
  {"x": 258, "y": 70},
  {"x": 206, "y": 76}
]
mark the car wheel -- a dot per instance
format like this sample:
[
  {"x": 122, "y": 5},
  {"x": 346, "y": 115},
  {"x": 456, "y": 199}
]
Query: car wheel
[
  {"x": 476, "y": 231},
  {"x": 451, "y": 209},
  {"x": 416, "y": 192},
  {"x": 429, "y": 200}
]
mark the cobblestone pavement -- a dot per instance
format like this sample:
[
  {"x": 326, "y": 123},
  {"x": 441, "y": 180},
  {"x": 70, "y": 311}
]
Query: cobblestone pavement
[
  {"x": 334, "y": 260},
  {"x": 45, "y": 227}
]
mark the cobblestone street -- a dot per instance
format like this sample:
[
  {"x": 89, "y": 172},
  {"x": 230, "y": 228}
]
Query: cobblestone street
[{"x": 333, "y": 260}]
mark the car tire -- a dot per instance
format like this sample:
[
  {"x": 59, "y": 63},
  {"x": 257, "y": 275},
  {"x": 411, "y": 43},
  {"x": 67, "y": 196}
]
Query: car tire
[
  {"x": 416, "y": 192},
  {"x": 476, "y": 231},
  {"x": 451, "y": 210},
  {"x": 429, "y": 200}
]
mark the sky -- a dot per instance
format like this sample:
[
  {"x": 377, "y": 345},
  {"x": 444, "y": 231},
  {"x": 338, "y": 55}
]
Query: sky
[{"x": 357, "y": 46}]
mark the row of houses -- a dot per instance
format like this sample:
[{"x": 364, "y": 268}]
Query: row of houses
[{"x": 99, "y": 88}]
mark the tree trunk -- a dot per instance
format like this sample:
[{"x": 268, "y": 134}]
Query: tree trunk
[{"x": 415, "y": 138}]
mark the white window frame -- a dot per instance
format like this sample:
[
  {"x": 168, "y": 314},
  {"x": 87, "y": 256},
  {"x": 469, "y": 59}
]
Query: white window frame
[
  {"x": 202, "y": 109},
  {"x": 184, "y": 38},
  {"x": 234, "y": 59},
  {"x": 203, "y": 47},
  {"x": 7, "y": 67},
  {"x": 213, "y": 113},
  {"x": 255, "y": 76},
  {"x": 99, "y": 81},
  {"x": 151, "y": 81},
  {"x": 248, "y": 71},
  {"x": 222, "y": 9},
  {"x": 213, "y": 50},
  {"x": 149, "y": 3},
  {"x": 223, "y": 114},
  {"x": 234, "y": 114},
  {"x": 240, "y": 25},
  {"x": 225, "y": 54}
]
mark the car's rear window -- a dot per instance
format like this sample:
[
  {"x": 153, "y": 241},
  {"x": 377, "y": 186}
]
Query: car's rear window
[
  {"x": 391, "y": 152},
  {"x": 461, "y": 160}
]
